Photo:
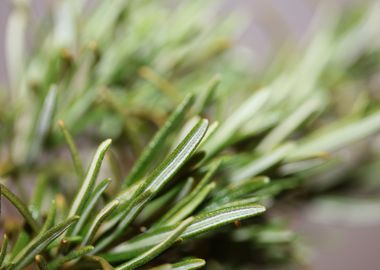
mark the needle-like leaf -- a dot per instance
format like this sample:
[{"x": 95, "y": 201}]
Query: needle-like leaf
[
  {"x": 201, "y": 224},
  {"x": 57, "y": 263},
  {"x": 73, "y": 151},
  {"x": 336, "y": 138},
  {"x": 185, "y": 264},
  {"x": 50, "y": 218},
  {"x": 155, "y": 251},
  {"x": 101, "y": 187},
  {"x": 190, "y": 202},
  {"x": 3, "y": 250},
  {"x": 38, "y": 244},
  {"x": 156, "y": 144},
  {"x": 88, "y": 183},
  {"x": 262, "y": 163},
  {"x": 43, "y": 123},
  {"x": 103, "y": 214},
  {"x": 224, "y": 132},
  {"x": 21, "y": 207},
  {"x": 159, "y": 177}
]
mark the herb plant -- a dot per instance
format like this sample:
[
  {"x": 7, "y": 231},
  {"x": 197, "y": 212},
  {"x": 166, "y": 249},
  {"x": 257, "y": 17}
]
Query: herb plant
[{"x": 198, "y": 148}]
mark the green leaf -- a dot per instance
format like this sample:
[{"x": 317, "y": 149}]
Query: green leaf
[
  {"x": 284, "y": 129},
  {"x": 207, "y": 95},
  {"x": 189, "y": 203},
  {"x": 73, "y": 151},
  {"x": 333, "y": 139},
  {"x": 3, "y": 250},
  {"x": 50, "y": 218},
  {"x": 88, "y": 183},
  {"x": 177, "y": 158},
  {"x": 94, "y": 198},
  {"x": 38, "y": 194},
  {"x": 228, "y": 129},
  {"x": 43, "y": 123},
  {"x": 103, "y": 214},
  {"x": 201, "y": 224},
  {"x": 261, "y": 164},
  {"x": 185, "y": 264},
  {"x": 129, "y": 215},
  {"x": 154, "y": 147},
  {"x": 75, "y": 254},
  {"x": 208, "y": 221},
  {"x": 159, "y": 177},
  {"x": 237, "y": 191},
  {"x": 21, "y": 207},
  {"x": 156, "y": 250},
  {"x": 23, "y": 239},
  {"x": 38, "y": 244}
]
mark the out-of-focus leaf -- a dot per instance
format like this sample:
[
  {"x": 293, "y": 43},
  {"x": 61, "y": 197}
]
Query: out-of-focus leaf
[
  {"x": 261, "y": 164},
  {"x": 3, "y": 250},
  {"x": 333, "y": 139},
  {"x": 43, "y": 123},
  {"x": 21, "y": 207},
  {"x": 225, "y": 131},
  {"x": 38, "y": 244},
  {"x": 73, "y": 151},
  {"x": 80, "y": 252},
  {"x": 41, "y": 262}
]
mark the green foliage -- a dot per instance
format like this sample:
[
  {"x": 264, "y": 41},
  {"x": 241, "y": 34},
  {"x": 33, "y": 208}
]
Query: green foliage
[{"x": 142, "y": 73}]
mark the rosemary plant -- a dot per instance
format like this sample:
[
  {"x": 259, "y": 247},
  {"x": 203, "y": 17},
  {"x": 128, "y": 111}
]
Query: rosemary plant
[{"x": 196, "y": 152}]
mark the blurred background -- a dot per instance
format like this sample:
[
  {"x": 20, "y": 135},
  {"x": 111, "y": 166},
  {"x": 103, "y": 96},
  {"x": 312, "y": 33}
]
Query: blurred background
[{"x": 331, "y": 242}]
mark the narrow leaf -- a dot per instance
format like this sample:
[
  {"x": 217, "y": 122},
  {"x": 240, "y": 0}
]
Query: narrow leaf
[
  {"x": 128, "y": 216},
  {"x": 43, "y": 123},
  {"x": 155, "y": 251},
  {"x": 159, "y": 177},
  {"x": 185, "y": 264},
  {"x": 201, "y": 224},
  {"x": 261, "y": 164},
  {"x": 191, "y": 205},
  {"x": 50, "y": 218},
  {"x": 73, "y": 151},
  {"x": 103, "y": 214},
  {"x": 157, "y": 143},
  {"x": 206, "y": 97},
  {"x": 191, "y": 201},
  {"x": 284, "y": 129},
  {"x": 75, "y": 254},
  {"x": 89, "y": 181},
  {"x": 336, "y": 138},
  {"x": 225, "y": 132},
  {"x": 180, "y": 155},
  {"x": 39, "y": 243},
  {"x": 3, "y": 250},
  {"x": 39, "y": 193},
  {"x": 94, "y": 198},
  {"x": 21, "y": 207}
]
